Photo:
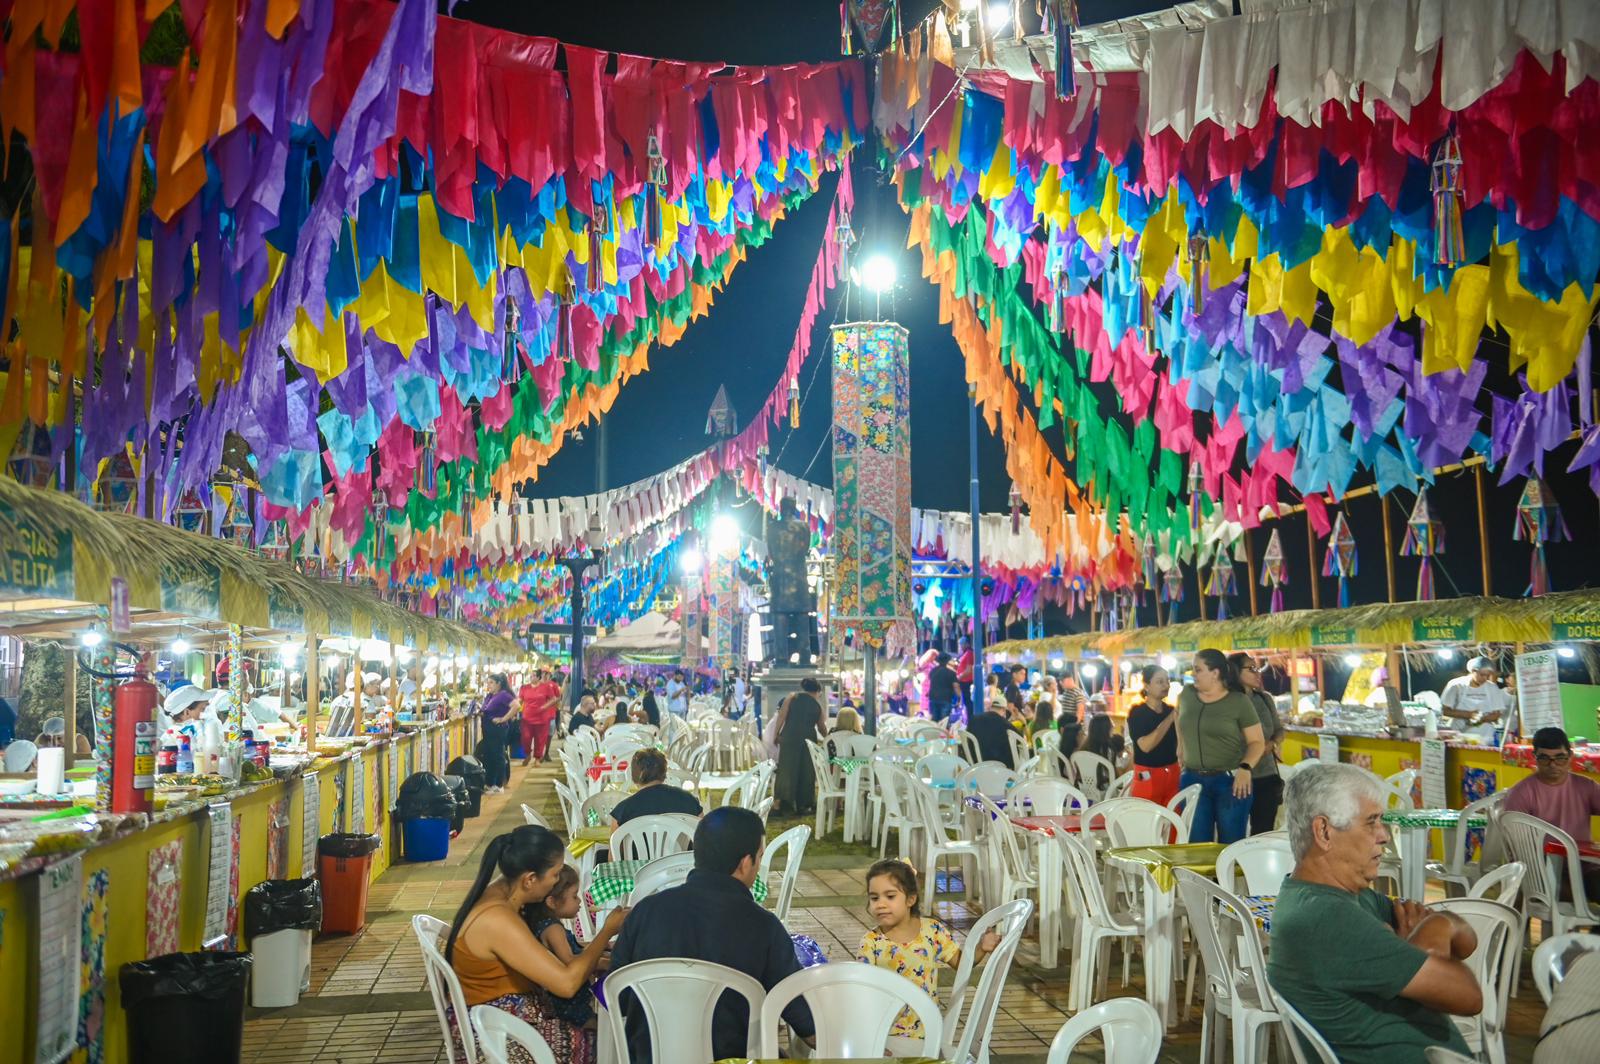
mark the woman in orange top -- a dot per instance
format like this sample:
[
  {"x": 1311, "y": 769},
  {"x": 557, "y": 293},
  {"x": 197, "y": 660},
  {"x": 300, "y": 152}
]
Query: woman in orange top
[{"x": 498, "y": 959}]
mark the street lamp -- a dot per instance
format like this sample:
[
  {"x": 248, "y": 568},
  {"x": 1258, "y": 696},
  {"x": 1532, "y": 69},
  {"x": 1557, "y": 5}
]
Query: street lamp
[
  {"x": 690, "y": 560},
  {"x": 724, "y": 535}
]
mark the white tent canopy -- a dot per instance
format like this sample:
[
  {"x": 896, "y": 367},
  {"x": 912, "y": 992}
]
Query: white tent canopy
[{"x": 653, "y": 633}]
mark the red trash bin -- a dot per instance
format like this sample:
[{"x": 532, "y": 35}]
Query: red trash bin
[{"x": 344, "y": 865}]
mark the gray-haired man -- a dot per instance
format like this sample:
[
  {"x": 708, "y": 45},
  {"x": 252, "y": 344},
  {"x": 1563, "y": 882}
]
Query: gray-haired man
[{"x": 1377, "y": 977}]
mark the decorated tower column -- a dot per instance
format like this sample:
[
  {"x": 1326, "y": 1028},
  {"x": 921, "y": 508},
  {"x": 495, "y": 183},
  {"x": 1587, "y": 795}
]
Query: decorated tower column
[{"x": 872, "y": 484}]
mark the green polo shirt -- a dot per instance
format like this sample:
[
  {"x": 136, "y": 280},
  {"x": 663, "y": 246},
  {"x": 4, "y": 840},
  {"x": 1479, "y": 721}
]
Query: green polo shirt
[{"x": 1336, "y": 958}]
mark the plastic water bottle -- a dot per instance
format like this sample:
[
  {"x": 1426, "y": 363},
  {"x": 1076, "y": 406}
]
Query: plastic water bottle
[{"x": 185, "y": 756}]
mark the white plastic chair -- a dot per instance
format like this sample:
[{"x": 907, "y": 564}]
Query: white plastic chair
[
  {"x": 1129, "y": 1029},
  {"x": 1018, "y": 876},
  {"x": 663, "y": 873},
  {"x": 1403, "y": 781},
  {"x": 830, "y": 789},
  {"x": 1555, "y": 954},
  {"x": 569, "y": 807},
  {"x": 1087, "y": 768},
  {"x": 1303, "y": 1035},
  {"x": 1019, "y": 746},
  {"x": 1263, "y": 860},
  {"x": 1454, "y": 869},
  {"x": 644, "y": 838},
  {"x": 935, "y": 768},
  {"x": 986, "y": 777},
  {"x": 1045, "y": 796},
  {"x": 1097, "y": 924},
  {"x": 1139, "y": 822},
  {"x": 444, "y": 987},
  {"x": 854, "y": 1006},
  {"x": 1184, "y": 803},
  {"x": 897, "y": 814},
  {"x": 937, "y": 844},
  {"x": 1236, "y": 967},
  {"x": 1048, "y": 763},
  {"x": 1525, "y": 838},
  {"x": 532, "y": 816},
  {"x": 969, "y": 1041},
  {"x": 967, "y": 747},
  {"x": 793, "y": 842},
  {"x": 599, "y": 805},
  {"x": 497, "y": 1030},
  {"x": 1494, "y": 962},
  {"x": 1503, "y": 885},
  {"x": 1120, "y": 786},
  {"x": 679, "y": 998}
]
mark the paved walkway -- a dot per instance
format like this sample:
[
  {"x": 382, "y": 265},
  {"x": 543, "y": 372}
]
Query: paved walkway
[{"x": 369, "y": 1002}]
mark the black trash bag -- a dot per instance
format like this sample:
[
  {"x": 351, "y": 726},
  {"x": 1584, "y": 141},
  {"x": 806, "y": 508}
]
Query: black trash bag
[
  {"x": 283, "y": 905},
  {"x": 469, "y": 769},
  {"x": 186, "y": 1006},
  {"x": 424, "y": 794},
  {"x": 467, "y": 801},
  {"x": 345, "y": 844}
]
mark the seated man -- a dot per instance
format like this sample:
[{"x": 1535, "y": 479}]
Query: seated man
[
  {"x": 712, "y": 917},
  {"x": 1378, "y": 978},
  {"x": 992, "y": 731},
  {"x": 1555, "y": 795}
]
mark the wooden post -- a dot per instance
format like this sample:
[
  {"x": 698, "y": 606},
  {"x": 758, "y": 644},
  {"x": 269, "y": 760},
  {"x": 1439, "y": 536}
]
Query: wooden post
[
  {"x": 70, "y": 740},
  {"x": 358, "y": 686},
  {"x": 1388, "y": 543},
  {"x": 1316, "y": 586},
  {"x": 1199, "y": 587},
  {"x": 313, "y": 690},
  {"x": 394, "y": 680},
  {"x": 1250, "y": 570},
  {"x": 1483, "y": 531}
]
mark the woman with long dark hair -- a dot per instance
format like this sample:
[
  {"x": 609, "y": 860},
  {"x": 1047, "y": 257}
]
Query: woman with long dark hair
[
  {"x": 651, "y": 710},
  {"x": 498, "y": 959},
  {"x": 1219, "y": 742},
  {"x": 1152, "y": 727},
  {"x": 1266, "y": 785},
  {"x": 498, "y": 710},
  {"x": 795, "y": 787}
]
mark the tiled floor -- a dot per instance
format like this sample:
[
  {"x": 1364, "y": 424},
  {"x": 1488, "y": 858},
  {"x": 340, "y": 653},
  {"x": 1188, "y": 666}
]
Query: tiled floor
[{"x": 369, "y": 1002}]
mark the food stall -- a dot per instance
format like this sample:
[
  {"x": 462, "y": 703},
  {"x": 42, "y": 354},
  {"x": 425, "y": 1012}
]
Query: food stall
[{"x": 124, "y": 860}]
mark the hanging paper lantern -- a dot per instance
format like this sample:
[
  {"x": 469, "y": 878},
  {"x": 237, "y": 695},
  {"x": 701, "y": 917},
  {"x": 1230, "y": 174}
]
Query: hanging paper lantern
[
  {"x": 1172, "y": 590},
  {"x": 1449, "y": 240},
  {"x": 794, "y": 404},
  {"x": 1222, "y": 582},
  {"x": 1199, "y": 258},
  {"x": 845, "y": 237},
  {"x": 1016, "y": 510},
  {"x": 1196, "y": 487},
  {"x": 1341, "y": 560},
  {"x": 1275, "y": 571},
  {"x": 1539, "y": 522},
  {"x": 655, "y": 188},
  {"x": 1424, "y": 539},
  {"x": 1149, "y": 574},
  {"x": 600, "y": 227},
  {"x": 1060, "y": 19},
  {"x": 870, "y": 19}
]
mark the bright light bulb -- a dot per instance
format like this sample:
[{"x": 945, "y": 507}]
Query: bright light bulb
[
  {"x": 289, "y": 653},
  {"x": 969, "y": 5},
  {"x": 1127, "y": 666},
  {"x": 1168, "y": 662},
  {"x": 180, "y": 647},
  {"x": 1446, "y": 654},
  {"x": 1566, "y": 652},
  {"x": 724, "y": 534},
  {"x": 690, "y": 561},
  {"x": 1056, "y": 664},
  {"x": 91, "y": 639},
  {"x": 1352, "y": 660},
  {"x": 878, "y": 273},
  {"x": 1091, "y": 670},
  {"x": 998, "y": 17}
]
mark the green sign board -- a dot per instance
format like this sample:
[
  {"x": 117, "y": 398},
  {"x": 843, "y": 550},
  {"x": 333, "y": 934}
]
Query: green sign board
[
  {"x": 1251, "y": 642},
  {"x": 192, "y": 595},
  {"x": 1574, "y": 628},
  {"x": 1332, "y": 637},
  {"x": 1442, "y": 629},
  {"x": 285, "y": 615},
  {"x": 1185, "y": 646},
  {"x": 1133, "y": 652},
  {"x": 35, "y": 560}
]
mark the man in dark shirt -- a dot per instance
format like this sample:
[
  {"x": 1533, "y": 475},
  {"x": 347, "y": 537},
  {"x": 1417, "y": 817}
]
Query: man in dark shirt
[
  {"x": 941, "y": 688},
  {"x": 991, "y": 729},
  {"x": 712, "y": 917},
  {"x": 1019, "y": 675},
  {"x": 655, "y": 795},
  {"x": 583, "y": 716}
]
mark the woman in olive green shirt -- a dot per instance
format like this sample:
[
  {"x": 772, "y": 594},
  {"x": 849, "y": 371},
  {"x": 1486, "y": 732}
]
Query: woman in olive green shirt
[{"x": 1219, "y": 742}]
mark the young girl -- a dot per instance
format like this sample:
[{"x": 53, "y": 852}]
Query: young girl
[
  {"x": 905, "y": 941},
  {"x": 545, "y": 919}
]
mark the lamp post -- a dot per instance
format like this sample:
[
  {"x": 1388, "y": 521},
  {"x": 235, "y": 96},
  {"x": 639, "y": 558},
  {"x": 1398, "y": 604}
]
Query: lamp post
[
  {"x": 977, "y": 546},
  {"x": 577, "y": 564}
]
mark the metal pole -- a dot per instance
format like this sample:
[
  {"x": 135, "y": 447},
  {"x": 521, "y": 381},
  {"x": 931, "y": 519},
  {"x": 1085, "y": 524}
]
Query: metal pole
[
  {"x": 977, "y": 546},
  {"x": 869, "y": 689},
  {"x": 577, "y": 566}
]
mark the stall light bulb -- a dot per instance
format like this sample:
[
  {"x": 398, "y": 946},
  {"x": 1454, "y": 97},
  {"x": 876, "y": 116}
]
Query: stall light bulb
[
  {"x": 289, "y": 653},
  {"x": 1352, "y": 660},
  {"x": 1127, "y": 666},
  {"x": 1445, "y": 655},
  {"x": 1056, "y": 664},
  {"x": 91, "y": 639},
  {"x": 1168, "y": 662},
  {"x": 1566, "y": 652},
  {"x": 1091, "y": 670},
  {"x": 690, "y": 561},
  {"x": 999, "y": 17},
  {"x": 180, "y": 647}
]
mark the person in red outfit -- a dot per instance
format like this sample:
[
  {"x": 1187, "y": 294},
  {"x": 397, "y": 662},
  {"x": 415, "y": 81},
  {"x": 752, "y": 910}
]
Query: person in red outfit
[{"x": 540, "y": 703}]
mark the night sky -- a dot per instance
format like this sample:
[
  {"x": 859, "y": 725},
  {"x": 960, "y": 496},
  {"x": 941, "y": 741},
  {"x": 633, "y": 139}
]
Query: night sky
[{"x": 659, "y": 418}]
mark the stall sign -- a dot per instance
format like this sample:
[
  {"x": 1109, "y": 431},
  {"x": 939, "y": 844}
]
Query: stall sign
[
  {"x": 1251, "y": 642},
  {"x": 285, "y": 614},
  {"x": 37, "y": 561},
  {"x": 1134, "y": 652},
  {"x": 1433, "y": 774},
  {"x": 1442, "y": 629},
  {"x": 192, "y": 595},
  {"x": 1574, "y": 627},
  {"x": 1328, "y": 749},
  {"x": 1539, "y": 691},
  {"x": 1185, "y": 646},
  {"x": 1332, "y": 637}
]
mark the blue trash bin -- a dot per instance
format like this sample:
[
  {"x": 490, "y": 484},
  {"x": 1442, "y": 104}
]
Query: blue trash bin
[{"x": 427, "y": 839}]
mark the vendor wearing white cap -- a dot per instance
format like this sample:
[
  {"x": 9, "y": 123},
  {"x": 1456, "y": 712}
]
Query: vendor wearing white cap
[{"x": 1475, "y": 702}]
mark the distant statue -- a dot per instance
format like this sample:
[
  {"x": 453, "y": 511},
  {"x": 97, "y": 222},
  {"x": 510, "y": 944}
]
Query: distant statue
[{"x": 792, "y": 604}]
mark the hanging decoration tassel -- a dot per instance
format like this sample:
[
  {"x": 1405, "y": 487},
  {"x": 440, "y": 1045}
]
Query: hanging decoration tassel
[
  {"x": 1016, "y": 510},
  {"x": 1275, "y": 571},
  {"x": 1539, "y": 522},
  {"x": 1149, "y": 575},
  {"x": 1450, "y": 244},
  {"x": 846, "y": 41},
  {"x": 1199, "y": 267},
  {"x": 1424, "y": 539},
  {"x": 565, "y": 350},
  {"x": 1147, "y": 321},
  {"x": 599, "y": 229},
  {"x": 1197, "y": 483},
  {"x": 1341, "y": 559},
  {"x": 794, "y": 403},
  {"x": 1060, "y": 19},
  {"x": 511, "y": 363},
  {"x": 655, "y": 188},
  {"x": 845, "y": 237},
  {"x": 428, "y": 464}
]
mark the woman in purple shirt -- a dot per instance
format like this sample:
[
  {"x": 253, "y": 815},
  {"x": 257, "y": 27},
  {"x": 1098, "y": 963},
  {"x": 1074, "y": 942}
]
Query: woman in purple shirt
[{"x": 499, "y": 708}]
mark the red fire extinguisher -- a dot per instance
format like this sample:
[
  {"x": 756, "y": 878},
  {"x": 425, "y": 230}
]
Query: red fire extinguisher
[{"x": 133, "y": 748}]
